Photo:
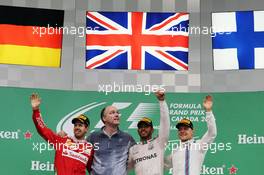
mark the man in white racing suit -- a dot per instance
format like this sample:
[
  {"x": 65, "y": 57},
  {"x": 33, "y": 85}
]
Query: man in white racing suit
[
  {"x": 147, "y": 157},
  {"x": 188, "y": 157}
]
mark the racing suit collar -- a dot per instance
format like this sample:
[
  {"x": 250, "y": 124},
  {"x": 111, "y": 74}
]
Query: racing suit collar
[
  {"x": 147, "y": 141},
  {"x": 78, "y": 141},
  {"x": 187, "y": 142}
]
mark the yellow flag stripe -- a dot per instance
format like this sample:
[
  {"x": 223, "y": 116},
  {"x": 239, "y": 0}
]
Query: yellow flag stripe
[{"x": 31, "y": 56}]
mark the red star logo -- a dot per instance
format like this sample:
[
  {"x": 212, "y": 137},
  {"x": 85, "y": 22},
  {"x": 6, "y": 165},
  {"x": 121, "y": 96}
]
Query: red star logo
[
  {"x": 232, "y": 170},
  {"x": 27, "y": 135}
]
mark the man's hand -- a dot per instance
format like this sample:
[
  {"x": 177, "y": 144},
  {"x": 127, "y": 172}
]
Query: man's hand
[
  {"x": 35, "y": 101},
  {"x": 160, "y": 95},
  {"x": 208, "y": 103},
  {"x": 62, "y": 134}
]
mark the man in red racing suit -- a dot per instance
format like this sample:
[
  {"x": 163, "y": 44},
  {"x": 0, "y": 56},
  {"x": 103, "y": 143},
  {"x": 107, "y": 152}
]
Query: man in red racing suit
[{"x": 73, "y": 155}]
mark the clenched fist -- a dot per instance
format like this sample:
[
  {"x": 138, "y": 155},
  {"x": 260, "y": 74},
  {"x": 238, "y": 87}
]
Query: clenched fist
[
  {"x": 160, "y": 95},
  {"x": 35, "y": 101}
]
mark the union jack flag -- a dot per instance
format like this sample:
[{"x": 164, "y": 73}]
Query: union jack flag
[{"x": 137, "y": 40}]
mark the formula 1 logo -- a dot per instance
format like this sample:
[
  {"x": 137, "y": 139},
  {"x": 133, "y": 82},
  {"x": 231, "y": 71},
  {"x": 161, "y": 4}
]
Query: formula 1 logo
[
  {"x": 65, "y": 123},
  {"x": 141, "y": 110}
]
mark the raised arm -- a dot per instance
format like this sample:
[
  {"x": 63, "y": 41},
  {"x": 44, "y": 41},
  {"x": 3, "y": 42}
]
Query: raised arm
[
  {"x": 42, "y": 129},
  {"x": 211, "y": 133},
  {"x": 164, "y": 129}
]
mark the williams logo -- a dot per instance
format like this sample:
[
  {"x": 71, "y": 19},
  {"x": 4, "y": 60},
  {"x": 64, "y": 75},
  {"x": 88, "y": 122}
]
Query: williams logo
[{"x": 138, "y": 111}]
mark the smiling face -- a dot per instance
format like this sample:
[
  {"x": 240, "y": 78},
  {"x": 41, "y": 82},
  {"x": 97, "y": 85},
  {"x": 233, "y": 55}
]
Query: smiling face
[
  {"x": 111, "y": 116},
  {"x": 145, "y": 131},
  {"x": 80, "y": 130},
  {"x": 185, "y": 133}
]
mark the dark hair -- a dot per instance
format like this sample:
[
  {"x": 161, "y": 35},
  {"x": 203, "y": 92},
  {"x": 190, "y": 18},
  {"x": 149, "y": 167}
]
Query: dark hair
[{"x": 102, "y": 114}]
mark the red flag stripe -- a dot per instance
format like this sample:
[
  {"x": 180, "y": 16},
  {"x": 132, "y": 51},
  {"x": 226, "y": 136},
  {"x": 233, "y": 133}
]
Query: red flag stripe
[
  {"x": 100, "y": 21},
  {"x": 168, "y": 21},
  {"x": 103, "y": 60},
  {"x": 28, "y": 36},
  {"x": 173, "y": 59}
]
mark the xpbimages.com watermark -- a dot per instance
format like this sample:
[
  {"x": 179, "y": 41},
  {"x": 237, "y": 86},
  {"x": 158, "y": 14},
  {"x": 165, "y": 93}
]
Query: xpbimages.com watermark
[
  {"x": 71, "y": 30},
  {"x": 48, "y": 146},
  {"x": 116, "y": 87},
  {"x": 199, "y": 146},
  {"x": 81, "y": 31},
  {"x": 197, "y": 30}
]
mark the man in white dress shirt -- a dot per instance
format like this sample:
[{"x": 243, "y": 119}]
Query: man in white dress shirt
[{"x": 188, "y": 157}]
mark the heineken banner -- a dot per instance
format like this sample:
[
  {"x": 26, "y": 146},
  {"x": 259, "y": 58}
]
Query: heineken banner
[{"x": 237, "y": 149}]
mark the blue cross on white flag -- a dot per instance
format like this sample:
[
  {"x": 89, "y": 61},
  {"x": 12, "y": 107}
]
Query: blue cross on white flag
[{"x": 238, "y": 40}]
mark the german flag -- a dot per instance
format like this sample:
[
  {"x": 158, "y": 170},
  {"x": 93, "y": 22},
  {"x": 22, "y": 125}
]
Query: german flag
[{"x": 30, "y": 36}]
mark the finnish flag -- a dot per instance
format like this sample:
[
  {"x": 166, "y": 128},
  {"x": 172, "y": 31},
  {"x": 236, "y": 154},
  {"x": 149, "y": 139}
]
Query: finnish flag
[{"x": 238, "y": 40}]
